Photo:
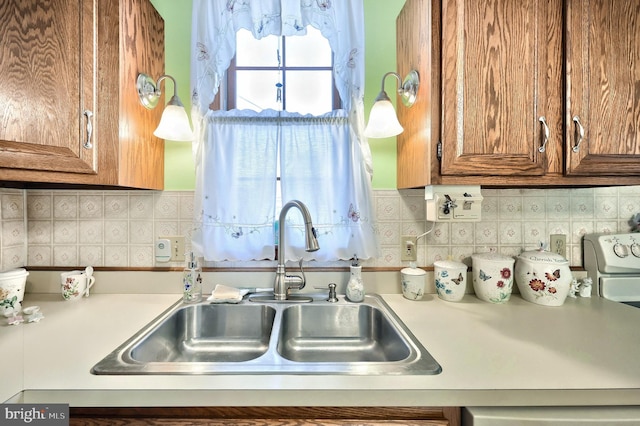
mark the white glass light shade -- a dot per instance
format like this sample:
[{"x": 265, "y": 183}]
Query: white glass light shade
[
  {"x": 383, "y": 122},
  {"x": 174, "y": 125}
]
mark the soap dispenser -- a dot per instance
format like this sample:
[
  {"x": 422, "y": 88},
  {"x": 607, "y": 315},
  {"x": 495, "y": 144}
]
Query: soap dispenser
[
  {"x": 192, "y": 281},
  {"x": 355, "y": 287}
]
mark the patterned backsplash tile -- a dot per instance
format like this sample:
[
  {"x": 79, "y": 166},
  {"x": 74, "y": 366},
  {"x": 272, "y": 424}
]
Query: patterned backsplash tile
[
  {"x": 119, "y": 228},
  {"x": 13, "y": 228}
]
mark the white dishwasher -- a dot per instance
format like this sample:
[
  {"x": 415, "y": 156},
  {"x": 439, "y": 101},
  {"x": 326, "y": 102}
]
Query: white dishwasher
[{"x": 530, "y": 416}]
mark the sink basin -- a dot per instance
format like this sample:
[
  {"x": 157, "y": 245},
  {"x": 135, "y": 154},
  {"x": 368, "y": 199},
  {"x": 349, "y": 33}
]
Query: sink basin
[
  {"x": 346, "y": 333},
  {"x": 208, "y": 333},
  {"x": 265, "y": 337}
]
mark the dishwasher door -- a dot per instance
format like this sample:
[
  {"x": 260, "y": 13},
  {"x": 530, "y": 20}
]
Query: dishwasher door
[{"x": 539, "y": 416}]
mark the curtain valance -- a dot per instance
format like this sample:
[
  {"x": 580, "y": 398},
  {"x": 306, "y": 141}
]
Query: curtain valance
[{"x": 215, "y": 23}]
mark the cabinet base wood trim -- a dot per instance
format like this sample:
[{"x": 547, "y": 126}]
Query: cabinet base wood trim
[
  {"x": 266, "y": 415},
  {"x": 94, "y": 421}
]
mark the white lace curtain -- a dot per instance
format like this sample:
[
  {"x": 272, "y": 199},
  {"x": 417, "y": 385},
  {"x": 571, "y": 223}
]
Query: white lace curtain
[{"x": 325, "y": 161}]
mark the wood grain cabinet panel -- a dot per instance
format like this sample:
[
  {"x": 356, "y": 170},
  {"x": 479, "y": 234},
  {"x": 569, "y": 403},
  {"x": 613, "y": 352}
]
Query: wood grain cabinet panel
[
  {"x": 501, "y": 83},
  {"x": 47, "y": 81},
  {"x": 603, "y": 87},
  {"x": 494, "y": 85},
  {"x": 266, "y": 416},
  {"x": 69, "y": 112}
]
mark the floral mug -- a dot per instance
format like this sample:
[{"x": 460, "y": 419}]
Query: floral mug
[{"x": 75, "y": 284}]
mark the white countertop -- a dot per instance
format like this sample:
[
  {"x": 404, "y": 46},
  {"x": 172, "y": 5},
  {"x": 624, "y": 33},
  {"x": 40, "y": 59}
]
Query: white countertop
[{"x": 585, "y": 352}]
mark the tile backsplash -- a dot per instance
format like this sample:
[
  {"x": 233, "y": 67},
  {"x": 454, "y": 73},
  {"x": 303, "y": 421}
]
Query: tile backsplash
[
  {"x": 13, "y": 227},
  {"x": 118, "y": 228},
  {"x": 103, "y": 228}
]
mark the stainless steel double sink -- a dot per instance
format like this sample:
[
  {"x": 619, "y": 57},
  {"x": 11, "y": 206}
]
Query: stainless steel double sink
[{"x": 273, "y": 338}]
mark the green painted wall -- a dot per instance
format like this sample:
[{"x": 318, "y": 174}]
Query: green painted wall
[
  {"x": 380, "y": 57},
  {"x": 178, "y": 162}
]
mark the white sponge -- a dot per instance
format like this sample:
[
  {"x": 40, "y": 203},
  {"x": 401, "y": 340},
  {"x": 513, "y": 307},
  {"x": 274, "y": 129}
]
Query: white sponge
[{"x": 225, "y": 294}]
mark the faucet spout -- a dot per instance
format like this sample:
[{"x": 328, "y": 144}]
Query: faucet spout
[{"x": 284, "y": 282}]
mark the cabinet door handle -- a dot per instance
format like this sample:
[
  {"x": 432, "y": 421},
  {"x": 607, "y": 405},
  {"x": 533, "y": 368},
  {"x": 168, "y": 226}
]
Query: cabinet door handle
[
  {"x": 545, "y": 127},
  {"x": 87, "y": 144},
  {"x": 580, "y": 133}
]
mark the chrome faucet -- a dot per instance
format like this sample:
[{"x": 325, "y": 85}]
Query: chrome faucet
[{"x": 284, "y": 282}]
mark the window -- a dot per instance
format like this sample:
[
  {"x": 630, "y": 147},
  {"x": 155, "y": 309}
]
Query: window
[
  {"x": 281, "y": 116},
  {"x": 282, "y": 73}
]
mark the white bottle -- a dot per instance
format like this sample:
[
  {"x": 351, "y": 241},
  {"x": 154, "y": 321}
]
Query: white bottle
[
  {"x": 355, "y": 287},
  {"x": 192, "y": 281}
]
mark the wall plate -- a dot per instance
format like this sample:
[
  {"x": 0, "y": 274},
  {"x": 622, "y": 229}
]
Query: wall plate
[
  {"x": 558, "y": 244},
  {"x": 409, "y": 248},
  {"x": 177, "y": 248}
]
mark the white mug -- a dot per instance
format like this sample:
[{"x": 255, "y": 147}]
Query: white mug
[{"x": 75, "y": 284}]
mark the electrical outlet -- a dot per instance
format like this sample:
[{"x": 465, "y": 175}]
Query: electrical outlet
[
  {"x": 177, "y": 248},
  {"x": 558, "y": 243},
  {"x": 409, "y": 248}
]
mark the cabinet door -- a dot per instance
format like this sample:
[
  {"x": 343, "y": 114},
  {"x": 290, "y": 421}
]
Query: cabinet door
[
  {"x": 603, "y": 87},
  {"x": 46, "y": 84},
  {"x": 501, "y": 73}
]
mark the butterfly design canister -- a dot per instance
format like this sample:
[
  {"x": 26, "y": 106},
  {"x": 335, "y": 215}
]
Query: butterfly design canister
[
  {"x": 450, "y": 279},
  {"x": 492, "y": 277},
  {"x": 543, "y": 277}
]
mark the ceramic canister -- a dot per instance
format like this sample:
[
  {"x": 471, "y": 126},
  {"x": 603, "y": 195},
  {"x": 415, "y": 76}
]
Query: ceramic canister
[
  {"x": 543, "y": 277},
  {"x": 492, "y": 276},
  {"x": 413, "y": 282},
  {"x": 450, "y": 279}
]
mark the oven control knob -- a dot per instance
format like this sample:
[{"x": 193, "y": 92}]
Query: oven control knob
[
  {"x": 635, "y": 249},
  {"x": 620, "y": 250}
]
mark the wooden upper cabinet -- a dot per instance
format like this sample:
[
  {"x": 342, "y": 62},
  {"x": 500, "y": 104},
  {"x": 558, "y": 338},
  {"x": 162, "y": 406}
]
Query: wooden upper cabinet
[
  {"x": 499, "y": 78},
  {"x": 500, "y": 81},
  {"x": 69, "y": 110},
  {"x": 603, "y": 87},
  {"x": 418, "y": 48},
  {"x": 46, "y": 82}
]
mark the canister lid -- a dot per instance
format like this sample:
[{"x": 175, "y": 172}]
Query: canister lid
[
  {"x": 492, "y": 257},
  {"x": 413, "y": 271},
  {"x": 449, "y": 264},
  {"x": 543, "y": 256}
]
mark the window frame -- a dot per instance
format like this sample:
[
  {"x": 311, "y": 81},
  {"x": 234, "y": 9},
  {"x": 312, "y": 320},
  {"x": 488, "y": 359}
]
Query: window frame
[{"x": 226, "y": 97}]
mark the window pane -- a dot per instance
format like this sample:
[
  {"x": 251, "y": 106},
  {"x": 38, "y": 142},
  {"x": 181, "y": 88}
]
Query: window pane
[
  {"x": 312, "y": 50},
  {"x": 252, "y": 52},
  {"x": 309, "y": 92},
  {"x": 257, "y": 90}
]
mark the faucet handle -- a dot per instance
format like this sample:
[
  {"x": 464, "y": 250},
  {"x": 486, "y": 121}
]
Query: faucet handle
[
  {"x": 304, "y": 278},
  {"x": 295, "y": 282}
]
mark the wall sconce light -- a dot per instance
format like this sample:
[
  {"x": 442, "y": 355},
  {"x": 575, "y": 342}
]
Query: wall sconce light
[
  {"x": 383, "y": 122},
  {"x": 174, "y": 124}
]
